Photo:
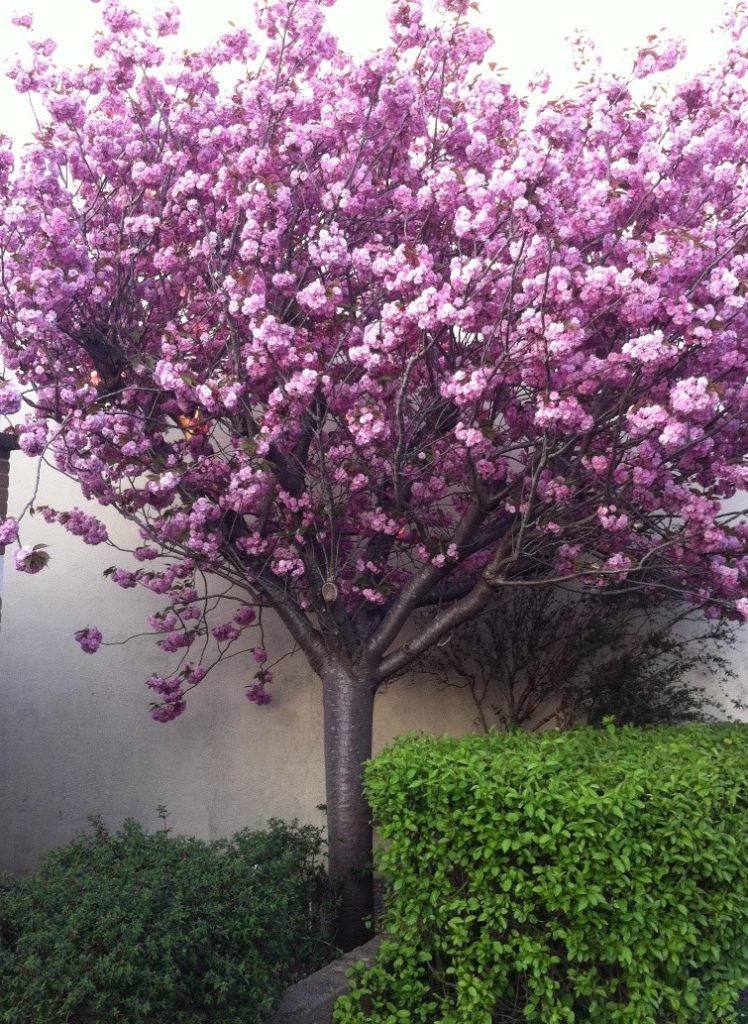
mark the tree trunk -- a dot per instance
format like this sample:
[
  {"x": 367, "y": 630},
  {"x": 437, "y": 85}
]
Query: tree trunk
[{"x": 348, "y": 704}]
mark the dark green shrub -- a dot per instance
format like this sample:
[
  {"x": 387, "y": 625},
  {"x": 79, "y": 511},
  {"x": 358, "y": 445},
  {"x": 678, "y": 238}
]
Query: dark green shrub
[
  {"x": 137, "y": 928},
  {"x": 597, "y": 875}
]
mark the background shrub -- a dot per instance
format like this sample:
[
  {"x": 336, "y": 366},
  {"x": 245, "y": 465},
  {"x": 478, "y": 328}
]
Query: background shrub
[
  {"x": 131, "y": 927},
  {"x": 540, "y": 655},
  {"x": 594, "y": 875}
]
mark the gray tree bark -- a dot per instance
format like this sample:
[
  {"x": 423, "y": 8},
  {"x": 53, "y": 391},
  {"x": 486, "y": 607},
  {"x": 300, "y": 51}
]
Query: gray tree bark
[{"x": 348, "y": 705}]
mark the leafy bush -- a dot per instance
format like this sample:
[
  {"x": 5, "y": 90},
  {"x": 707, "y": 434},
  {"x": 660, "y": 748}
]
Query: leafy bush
[
  {"x": 139, "y": 928},
  {"x": 596, "y": 875}
]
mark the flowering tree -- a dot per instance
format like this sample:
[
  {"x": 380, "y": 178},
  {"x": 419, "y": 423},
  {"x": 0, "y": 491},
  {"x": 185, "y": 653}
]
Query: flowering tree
[{"x": 359, "y": 337}]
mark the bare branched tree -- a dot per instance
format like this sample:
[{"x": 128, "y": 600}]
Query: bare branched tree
[{"x": 547, "y": 656}]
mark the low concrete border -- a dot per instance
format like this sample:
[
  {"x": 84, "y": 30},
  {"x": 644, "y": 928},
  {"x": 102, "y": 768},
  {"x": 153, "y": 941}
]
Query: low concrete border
[{"x": 310, "y": 1001}]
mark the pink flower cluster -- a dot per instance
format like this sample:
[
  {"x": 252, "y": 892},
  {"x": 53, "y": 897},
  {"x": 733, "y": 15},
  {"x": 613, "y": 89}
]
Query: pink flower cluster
[
  {"x": 172, "y": 690},
  {"x": 80, "y": 524},
  {"x": 8, "y": 531},
  {"x": 257, "y": 694},
  {"x": 89, "y": 639},
  {"x": 10, "y": 399},
  {"x": 31, "y": 560}
]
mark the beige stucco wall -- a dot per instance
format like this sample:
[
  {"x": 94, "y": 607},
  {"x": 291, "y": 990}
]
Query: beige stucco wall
[{"x": 75, "y": 734}]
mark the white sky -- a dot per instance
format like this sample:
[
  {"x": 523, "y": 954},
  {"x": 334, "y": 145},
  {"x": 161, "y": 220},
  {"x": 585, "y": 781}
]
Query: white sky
[{"x": 530, "y": 34}]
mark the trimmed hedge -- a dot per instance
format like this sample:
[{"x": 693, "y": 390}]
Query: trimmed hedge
[
  {"x": 588, "y": 876},
  {"x": 138, "y": 929}
]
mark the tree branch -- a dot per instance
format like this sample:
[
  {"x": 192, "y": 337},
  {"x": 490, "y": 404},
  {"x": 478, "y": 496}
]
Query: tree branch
[
  {"x": 424, "y": 581},
  {"x": 454, "y": 616}
]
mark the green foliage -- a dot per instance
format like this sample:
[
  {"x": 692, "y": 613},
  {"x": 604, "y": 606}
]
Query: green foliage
[
  {"x": 136, "y": 928},
  {"x": 596, "y": 875}
]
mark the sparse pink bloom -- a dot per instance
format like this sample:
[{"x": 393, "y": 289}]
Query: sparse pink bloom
[{"x": 89, "y": 639}]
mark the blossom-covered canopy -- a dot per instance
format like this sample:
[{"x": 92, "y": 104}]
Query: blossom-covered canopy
[{"x": 359, "y": 336}]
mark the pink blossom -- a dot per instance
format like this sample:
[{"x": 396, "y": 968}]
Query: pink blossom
[
  {"x": 660, "y": 55},
  {"x": 80, "y": 524},
  {"x": 245, "y": 616},
  {"x": 313, "y": 297},
  {"x": 225, "y": 632},
  {"x": 617, "y": 563},
  {"x": 22, "y": 20},
  {"x": 168, "y": 712},
  {"x": 10, "y": 398},
  {"x": 8, "y": 531},
  {"x": 610, "y": 519},
  {"x": 123, "y": 578},
  {"x": 30, "y": 560},
  {"x": 145, "y": 554},
  {"x": 257, "y": 694},
  {"x": 89, "y": 639},
  {"x": 562, "y": 412},
  {"x": 469, "y": 436},
  {"x": 692, "y": 396},
  {"x": 177, "y": 640},
  {"x": 32, "y": 438}
]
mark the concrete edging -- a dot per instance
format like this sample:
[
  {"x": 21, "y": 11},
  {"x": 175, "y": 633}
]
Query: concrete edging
[{"x": 311, "y": 1000}]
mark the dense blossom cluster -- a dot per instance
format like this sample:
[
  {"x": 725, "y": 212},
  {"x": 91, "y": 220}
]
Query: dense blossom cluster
[
  {"x": 364, "y": 335},
  {"x": 8, "y": 531},
  {"x": 30, "y": 559},
  {"x": 78, "y": 523},
  {"x": 89, "y": 639}
]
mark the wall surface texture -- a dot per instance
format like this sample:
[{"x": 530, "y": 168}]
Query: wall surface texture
[{"x": 75, "y": 735}]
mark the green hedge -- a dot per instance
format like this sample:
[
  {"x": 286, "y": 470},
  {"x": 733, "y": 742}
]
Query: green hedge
[
  {"x": 590, "y": 876},
  {"x": 138, "y": 928}
]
